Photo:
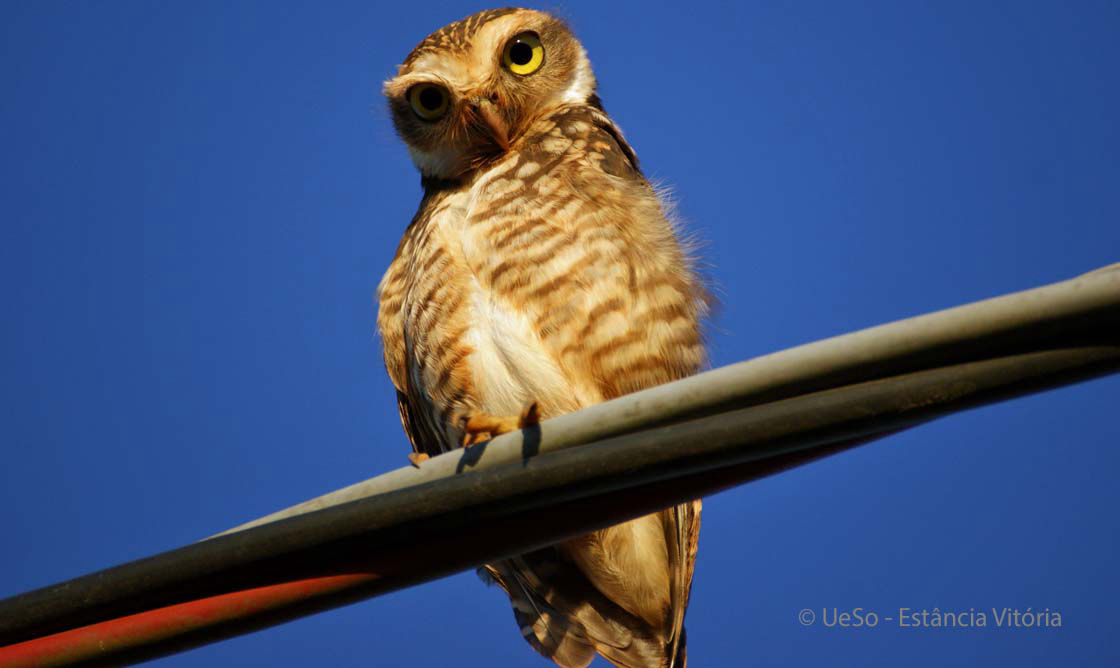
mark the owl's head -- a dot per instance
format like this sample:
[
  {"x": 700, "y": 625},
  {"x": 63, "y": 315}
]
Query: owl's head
[{"x": 470, "y": 90}]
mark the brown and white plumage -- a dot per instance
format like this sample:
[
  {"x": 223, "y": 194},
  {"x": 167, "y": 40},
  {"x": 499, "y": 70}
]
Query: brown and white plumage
[{"x": 540, "y": 268}]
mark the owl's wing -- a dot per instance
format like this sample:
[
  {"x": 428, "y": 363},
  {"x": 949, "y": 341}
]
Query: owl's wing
[
  {"x": 682, "y": 538},
  {"x": 411, "y": 426},
  {"x": 426, "y": 431}
]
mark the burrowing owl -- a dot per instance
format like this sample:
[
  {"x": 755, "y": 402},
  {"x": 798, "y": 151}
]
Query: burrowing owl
[{"x": 540, "y": 271}]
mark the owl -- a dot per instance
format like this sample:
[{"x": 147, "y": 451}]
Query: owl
[{"x": 540, "y": 275}]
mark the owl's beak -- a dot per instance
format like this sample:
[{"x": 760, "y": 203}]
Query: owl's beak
[{"x": 495, "y": 125}]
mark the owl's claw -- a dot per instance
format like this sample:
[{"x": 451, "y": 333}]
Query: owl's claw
[
  {"x": 415, "y": 458},
  {"x": 481, "y": 427}
]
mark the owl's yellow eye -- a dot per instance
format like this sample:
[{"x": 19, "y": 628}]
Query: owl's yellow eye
[
  {"x": 428, "y": 101},
  {"x": 524, "y": 54}
]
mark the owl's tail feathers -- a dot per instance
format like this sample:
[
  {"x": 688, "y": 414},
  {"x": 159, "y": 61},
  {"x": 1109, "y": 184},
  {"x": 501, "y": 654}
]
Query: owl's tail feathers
[{"x": 565, "y": 618}]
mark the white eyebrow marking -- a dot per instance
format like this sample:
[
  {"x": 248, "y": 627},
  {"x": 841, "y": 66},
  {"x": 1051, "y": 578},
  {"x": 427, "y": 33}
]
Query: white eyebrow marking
[{"x": 583, "y": 83}]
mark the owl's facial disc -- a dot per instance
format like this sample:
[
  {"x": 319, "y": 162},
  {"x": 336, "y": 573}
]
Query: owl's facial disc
[{"x": 469, "y": 91}]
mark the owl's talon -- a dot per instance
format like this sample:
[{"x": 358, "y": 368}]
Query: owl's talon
[
  {"x": 415, "y": 458},
  {"x": 481, "y": 427},
  {"x": 531, "y": 416}
]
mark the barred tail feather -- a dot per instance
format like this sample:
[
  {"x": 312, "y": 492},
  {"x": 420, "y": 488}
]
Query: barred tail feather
[{"x": 565, "y": 618}]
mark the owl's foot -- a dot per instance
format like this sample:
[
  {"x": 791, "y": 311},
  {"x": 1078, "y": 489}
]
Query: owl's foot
[
  {"x": 415, "y": 458},
  {"x": 480, "y": 427}
]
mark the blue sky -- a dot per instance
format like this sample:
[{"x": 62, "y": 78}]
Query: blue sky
[{"x": 198, "y": 200}]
